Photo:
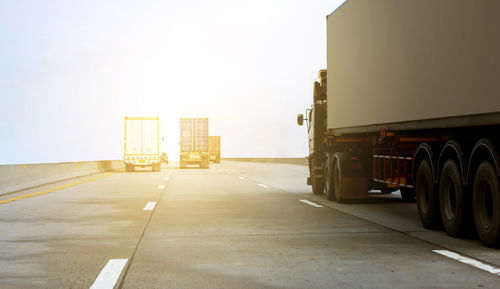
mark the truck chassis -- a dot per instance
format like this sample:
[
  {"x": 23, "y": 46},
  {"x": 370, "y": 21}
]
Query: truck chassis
[{"x": 452, "y": 173}]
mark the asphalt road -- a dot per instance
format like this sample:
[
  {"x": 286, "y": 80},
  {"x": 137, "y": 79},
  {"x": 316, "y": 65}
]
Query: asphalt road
[{"x": 235, "y": 225}]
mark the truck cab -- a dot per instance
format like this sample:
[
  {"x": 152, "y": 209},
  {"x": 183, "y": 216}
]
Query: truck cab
[{"x": 316, "y": 126}]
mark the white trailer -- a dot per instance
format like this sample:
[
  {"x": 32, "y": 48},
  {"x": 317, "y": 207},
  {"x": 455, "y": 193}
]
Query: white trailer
[{"x": 142, "y": 143}]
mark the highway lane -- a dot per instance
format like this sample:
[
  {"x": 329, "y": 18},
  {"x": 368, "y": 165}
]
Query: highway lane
[
  {"x": 386, "y": 210},
  {"x": 235, "y": 225},
  {"x": 62, "y": 239}
]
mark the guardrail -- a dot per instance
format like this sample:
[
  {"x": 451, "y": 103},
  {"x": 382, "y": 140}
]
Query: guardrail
[
  {"x": 294, "y": 161},
  {"x": 14, "y": 178}
]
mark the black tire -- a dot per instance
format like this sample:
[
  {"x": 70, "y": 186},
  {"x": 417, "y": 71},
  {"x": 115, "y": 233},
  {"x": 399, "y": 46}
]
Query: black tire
[
  {"x": 156, "y": 167},
  {"x": 338, "y": 186},
  {"x": 407, "y": 194},
  {"x": 427, "y": 199},
  {"x": 452, "y": 203},
  {"x": 317, "y": 182},
  {"x": 486, "y": 204},
  {"x": 183, "y": 165},
  {"x": 330, "y": 195},
  {"x": 129, "y": 168},
  {"x": 318, "y": 185}
]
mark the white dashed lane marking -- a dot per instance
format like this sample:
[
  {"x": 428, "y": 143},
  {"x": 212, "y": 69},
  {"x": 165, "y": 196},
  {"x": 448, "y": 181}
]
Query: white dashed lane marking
[
  {"x": 161, "y": 187},
  {"x": 264, "y": 186},
  {"x": 469, "y": 261},
  {"x": 109, "y": 274},
  {"x": 242, "y": 178},
  {"x": 311, "y": 203},
  {"x": 149, "y": 206}
]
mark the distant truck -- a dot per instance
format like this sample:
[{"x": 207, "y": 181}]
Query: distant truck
[
  {"x": 142, "y": 143},
  {"x": 164, "y": 158},
  {"x": 412, "y": 102},
  {"x": 194, "y": 142},
  {"x": 214, "y": 148}
]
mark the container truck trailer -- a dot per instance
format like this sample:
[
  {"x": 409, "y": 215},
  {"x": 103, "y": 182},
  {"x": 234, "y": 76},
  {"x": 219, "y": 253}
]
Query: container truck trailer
[
  {"x": 214, "y": 148},
  {"x": 410, "y": 100},
  {"x": 194, "y": 142},
  {"x": 142, "y": 143}
]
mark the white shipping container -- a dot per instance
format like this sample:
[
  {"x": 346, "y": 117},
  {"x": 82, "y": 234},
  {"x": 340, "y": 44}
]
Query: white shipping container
[{"x": 142, "y": 140}]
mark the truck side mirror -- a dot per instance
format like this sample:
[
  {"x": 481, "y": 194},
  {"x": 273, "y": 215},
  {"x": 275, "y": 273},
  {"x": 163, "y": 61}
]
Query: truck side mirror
[{"x": 300, "y": 119}]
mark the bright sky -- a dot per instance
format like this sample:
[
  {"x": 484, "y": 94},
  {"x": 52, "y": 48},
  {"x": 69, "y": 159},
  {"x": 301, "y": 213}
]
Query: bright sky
[{"x": 71, "y": 70}]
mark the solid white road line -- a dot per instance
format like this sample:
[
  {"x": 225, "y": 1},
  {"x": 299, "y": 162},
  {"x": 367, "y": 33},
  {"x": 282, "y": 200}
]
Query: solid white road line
[
  {"x": 161, "y": 187},
  {"x": 264, "y": 186},
  {"x": 311, "y": 203},
  {"x": 469, "y": 261},
  {"x": 109, "y": 274},
  {"x": 149, "y": 206},
  {"x": 242, "y": 178},
  {"x": 166, "y": 179}
]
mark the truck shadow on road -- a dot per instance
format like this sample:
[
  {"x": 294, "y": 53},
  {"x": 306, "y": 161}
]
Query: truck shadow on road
[
  {"x": 193, "y": 168},
  {"x": 377, "y": 198}
]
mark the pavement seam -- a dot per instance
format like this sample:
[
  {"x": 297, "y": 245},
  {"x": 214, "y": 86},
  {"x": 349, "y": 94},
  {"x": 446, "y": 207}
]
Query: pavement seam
[{"x": 123, "y": 276}]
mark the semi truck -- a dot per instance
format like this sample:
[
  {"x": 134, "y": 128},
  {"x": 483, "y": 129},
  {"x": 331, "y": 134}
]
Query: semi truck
[
  {"x": 194, "y": 142},
  {"x": 214, "y": 148},
  {"x": 410, "y": 101},
  {"x": 142, "y": 143}
]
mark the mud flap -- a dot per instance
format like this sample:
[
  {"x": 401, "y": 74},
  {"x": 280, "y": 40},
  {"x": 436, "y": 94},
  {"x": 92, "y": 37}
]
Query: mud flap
[
  {"x": 355, "y": 188},
  {"x": 350, "y": 177}
]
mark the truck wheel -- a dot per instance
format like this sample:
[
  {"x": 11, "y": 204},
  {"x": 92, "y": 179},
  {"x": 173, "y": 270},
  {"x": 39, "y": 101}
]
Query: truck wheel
[
  {"x": 204, "y": 164},
  {"x": 427, "y": 201},
  {"x": 317, "y": 181},
  {"x": 452, "y": 199},
  {"x": 338, "y": 186},
  {"x": 129, "y": 168},
  {"x": 183, "y": 165},
  {"x": 486, "y": 204},
  {"x": 329, "y": 193},
  {"x": 156, "y": 167},
  {"x": 318, "y": 186},
  {"x": 408, "y": 195}
]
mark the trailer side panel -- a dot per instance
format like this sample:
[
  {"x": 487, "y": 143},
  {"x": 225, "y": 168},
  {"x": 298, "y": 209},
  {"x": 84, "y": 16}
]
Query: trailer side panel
[{"x": 397, "y": 61}]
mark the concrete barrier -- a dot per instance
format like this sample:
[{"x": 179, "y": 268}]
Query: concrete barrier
[
  {"x": 294, "y": 161},
  {"x": 14, "y": 178}
]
